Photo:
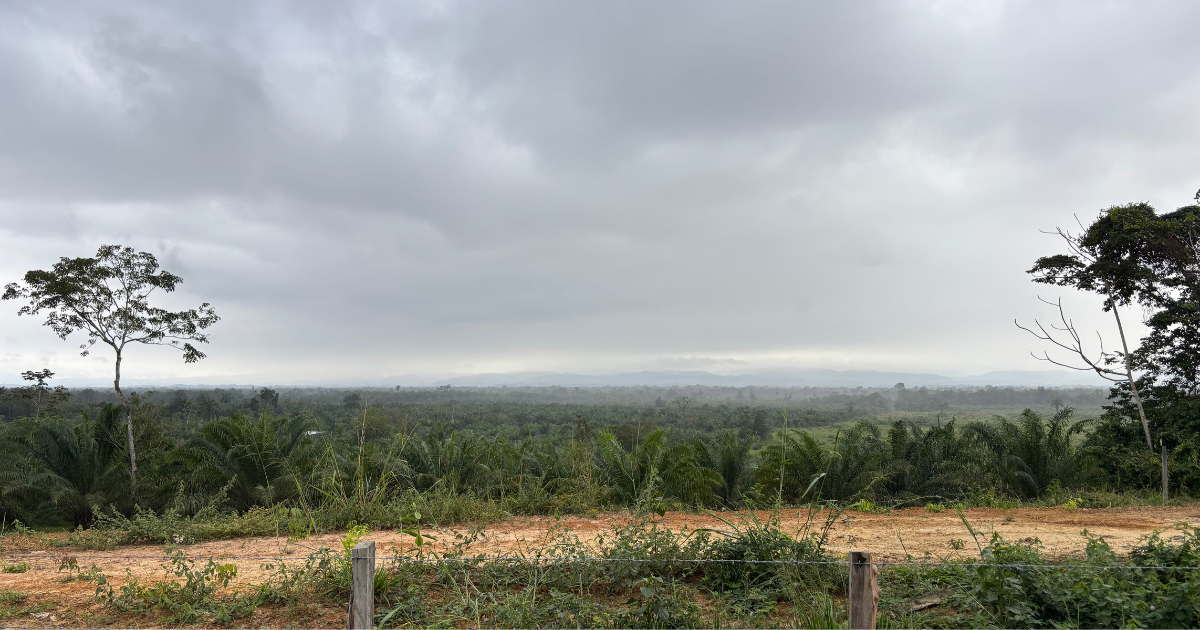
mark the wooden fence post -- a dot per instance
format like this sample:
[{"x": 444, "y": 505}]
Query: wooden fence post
[
  {"x": 864, "y": 591},
  {"x": 362, "y": 587}
]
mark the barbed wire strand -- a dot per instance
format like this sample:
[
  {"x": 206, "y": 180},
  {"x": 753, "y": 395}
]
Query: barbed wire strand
[{"x": 554, "y": 560}]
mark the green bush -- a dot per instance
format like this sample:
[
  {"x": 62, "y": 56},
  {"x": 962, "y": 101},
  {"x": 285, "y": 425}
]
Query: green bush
[
  {"x": 658, "y": 604},
  {"x": 172, "y": 527},
  {"x": 567, "y": 610},
  {"x": 187, "y": 595},
  {"x": 1091, "y": 593},
  {"x": 752, "y": 539}
]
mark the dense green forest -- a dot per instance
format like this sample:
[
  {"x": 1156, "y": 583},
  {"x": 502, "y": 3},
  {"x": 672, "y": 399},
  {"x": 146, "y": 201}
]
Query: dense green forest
[{"x": 542, "y": 450}]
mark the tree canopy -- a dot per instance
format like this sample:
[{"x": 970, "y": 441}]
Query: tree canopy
[{"x": 108, "y": 298}]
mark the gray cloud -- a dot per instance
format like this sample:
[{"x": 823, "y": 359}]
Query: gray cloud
[{"x": 368, "y": 189}]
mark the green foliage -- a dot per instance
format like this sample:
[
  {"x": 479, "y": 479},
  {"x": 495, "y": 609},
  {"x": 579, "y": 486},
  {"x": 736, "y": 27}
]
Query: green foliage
[
  {"x": 263, "y": 461},
  {"x": 172, "y": 527},
  {"x": 797, "y": 459},
  {"x": 108, "y": 298},
  {"x": 352, "y": 537},
  {"x": 654, "y": 467},
  {"x": 863, "y": 505},
  {"x": 659, "y": 605},
  {"x": 44, "y": 401},
  {"x": 61, "y": 470},
  {"x": 301, "y": 473},
  {"x": 1031, "y": 454},
  {"x": 1130, "y": 255},
  {"x": 70, "y": 564},
  {"x": 187, "y": 595},
  {"x": 654, "y": 571},
  {"x": 568, "y": 610},
  {"x": 730, "y": 458},
  {"x": 10, "y": 604},
  {"x": 819, "y": 610},
  {"x": 751, "y": 589},
  {"x": 932, "y": 461},
  {"x": 1088, "y": 595}
]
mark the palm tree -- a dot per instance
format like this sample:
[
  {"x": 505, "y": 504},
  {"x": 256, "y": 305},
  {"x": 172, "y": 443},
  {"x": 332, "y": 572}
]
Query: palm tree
[
  {"x": 731, "y": 459},
  {"x": 798, "y": 459},
  {"x": 858, "y": 464},
  {"x": 935, "y": 461},
  {"x": 267, "y": 460},
  {"x": 855, "y": 467},
  {"x": 655, "y": 468},
  {"x": 1031, "y": 454},
  {"x": 52, "y": 470},
  {"x": 450, "y": 462}
]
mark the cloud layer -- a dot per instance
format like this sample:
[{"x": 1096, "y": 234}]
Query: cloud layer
[{"x": 379, "y": 189}]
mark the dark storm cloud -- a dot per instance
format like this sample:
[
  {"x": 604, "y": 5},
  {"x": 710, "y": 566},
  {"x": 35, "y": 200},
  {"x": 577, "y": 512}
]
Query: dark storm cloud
[{"x": 382, "y": 188}]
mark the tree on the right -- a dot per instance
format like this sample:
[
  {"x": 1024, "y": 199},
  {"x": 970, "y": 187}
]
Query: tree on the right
[{"x": 1132, "y": 256}]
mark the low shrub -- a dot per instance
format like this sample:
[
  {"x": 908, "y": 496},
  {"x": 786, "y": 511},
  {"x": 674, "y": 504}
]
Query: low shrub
[
  {"x": 1095, "y": 592},
  {"x": 187, "y": 595},
  {"x": 11, "y": 604},
  {"x": 754, "y": 540},
  {"x": 112, "y": 528},
  {"x": 658, "y": 604}
]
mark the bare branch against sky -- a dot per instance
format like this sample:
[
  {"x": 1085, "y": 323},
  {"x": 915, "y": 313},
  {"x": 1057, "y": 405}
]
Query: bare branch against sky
[{"x": 419, "y": 188}]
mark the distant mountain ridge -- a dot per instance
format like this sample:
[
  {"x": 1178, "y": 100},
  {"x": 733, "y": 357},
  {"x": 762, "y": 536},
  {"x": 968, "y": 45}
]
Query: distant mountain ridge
[{"x": 776, "y": 378}]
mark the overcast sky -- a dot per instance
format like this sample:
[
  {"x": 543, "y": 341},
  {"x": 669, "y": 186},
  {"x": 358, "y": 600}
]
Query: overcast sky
[{"x": 373, "y": 190}]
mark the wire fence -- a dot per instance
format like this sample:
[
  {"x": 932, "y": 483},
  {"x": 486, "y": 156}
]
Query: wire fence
[
  {"x": 583, "y": 560},
  {"x": 859, "y": 571}
]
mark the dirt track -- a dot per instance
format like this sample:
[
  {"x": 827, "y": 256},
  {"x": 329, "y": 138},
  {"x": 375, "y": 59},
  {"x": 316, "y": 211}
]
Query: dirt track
[{"x": 888, "y": 536}]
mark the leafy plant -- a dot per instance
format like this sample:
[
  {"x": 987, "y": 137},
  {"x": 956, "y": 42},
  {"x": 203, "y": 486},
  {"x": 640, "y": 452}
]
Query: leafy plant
[
  {"x": 189, "y": 594},
  {"x": 657, "y": 604},
  {"x": 1089, "y": 593},
  {"x": 863, "y": 505}
]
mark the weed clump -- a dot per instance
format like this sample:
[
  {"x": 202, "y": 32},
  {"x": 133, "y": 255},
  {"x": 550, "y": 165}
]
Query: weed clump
[
  {"x": 1091, "y": 593},
  {"x": 193, "y": 594},
  {"x": 11, "y": 604}
]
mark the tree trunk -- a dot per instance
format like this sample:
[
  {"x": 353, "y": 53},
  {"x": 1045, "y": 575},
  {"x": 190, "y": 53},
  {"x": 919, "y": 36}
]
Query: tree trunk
[
  {"x": 1137, "y": 398},
  {"x": 128, "y": 430}
]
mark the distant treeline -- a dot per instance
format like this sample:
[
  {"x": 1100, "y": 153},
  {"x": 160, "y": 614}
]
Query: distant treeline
[{"x": 546, "y": 410}]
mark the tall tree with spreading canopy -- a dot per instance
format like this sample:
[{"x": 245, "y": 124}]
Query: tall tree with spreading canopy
[
  {"x": 1131, "y": 255},
  {"x": 1107, "y": 258},
  {"x": 1170, "y": 354},
  {"x": 108, "y": 297}
]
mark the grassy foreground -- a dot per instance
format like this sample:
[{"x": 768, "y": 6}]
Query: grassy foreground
[{"x": 646, "y": 576}]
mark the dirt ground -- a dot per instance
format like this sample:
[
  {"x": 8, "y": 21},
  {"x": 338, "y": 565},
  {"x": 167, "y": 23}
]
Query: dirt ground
[{"x": 888, "y": 536}]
